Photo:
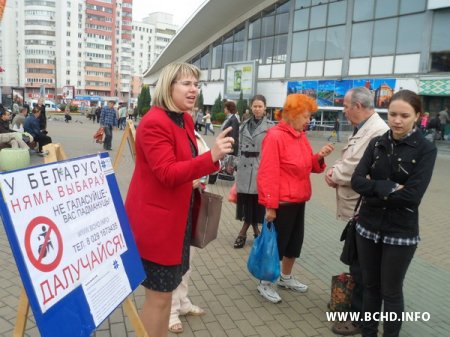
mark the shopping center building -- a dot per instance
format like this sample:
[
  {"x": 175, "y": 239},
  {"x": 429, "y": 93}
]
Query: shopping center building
[{"x": 319, "y": 47}]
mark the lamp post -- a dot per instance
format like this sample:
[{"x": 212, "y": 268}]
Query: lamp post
[{"x": 56, "y": 80}]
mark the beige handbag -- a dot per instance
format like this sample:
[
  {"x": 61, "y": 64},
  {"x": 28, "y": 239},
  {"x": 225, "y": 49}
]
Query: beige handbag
[{"x": 205, "y": 230}]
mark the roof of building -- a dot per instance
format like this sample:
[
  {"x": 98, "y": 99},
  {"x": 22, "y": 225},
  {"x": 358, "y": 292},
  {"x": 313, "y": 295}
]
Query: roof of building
[{"x": 211, "y": 20}]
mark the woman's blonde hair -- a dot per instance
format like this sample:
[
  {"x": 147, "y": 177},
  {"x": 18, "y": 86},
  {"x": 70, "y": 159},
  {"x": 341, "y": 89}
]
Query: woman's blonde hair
[
  {"x": 163, "y": 92},
  {"x": 296, "y": 104}
]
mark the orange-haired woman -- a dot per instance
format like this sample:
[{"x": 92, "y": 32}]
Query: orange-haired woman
[{"x": 284, "y": 185}]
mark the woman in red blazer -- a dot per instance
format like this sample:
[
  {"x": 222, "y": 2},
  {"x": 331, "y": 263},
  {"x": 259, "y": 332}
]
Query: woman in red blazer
[
  {"x": 161, "y": 203},
  {"x": 284, "y": 185}
]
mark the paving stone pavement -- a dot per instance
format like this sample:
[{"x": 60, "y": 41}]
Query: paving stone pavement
[{"x": 222, "y": 285}]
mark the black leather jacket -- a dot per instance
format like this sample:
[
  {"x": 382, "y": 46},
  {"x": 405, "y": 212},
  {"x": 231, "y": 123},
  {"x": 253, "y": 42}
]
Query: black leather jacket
[
  {"x": 233, "y": 122},
  {"x": 386, "y": 163}
]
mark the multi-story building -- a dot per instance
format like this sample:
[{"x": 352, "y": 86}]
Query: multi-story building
[
  {"x": 321, "y": 47},
  {"x": 81, "y": 44},
  {"x": 149, "y": 39}
]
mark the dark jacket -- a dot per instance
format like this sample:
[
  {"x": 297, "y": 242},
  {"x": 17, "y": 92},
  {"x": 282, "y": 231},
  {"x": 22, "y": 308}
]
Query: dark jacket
[
  {"x": 4, "y": 127},
  {"x": 386, "y": 163},
  {"x": 31, "y": 125},
  {"x": 234, "y": 123}
]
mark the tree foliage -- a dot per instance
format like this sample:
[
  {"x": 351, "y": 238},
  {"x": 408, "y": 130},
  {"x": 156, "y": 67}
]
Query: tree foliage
[
  {"x": 199, "y": 104},
  {"x": 241, "y": 105},
  {"x": 144, "y": 100},
  {"x": 217, "y": 107}
]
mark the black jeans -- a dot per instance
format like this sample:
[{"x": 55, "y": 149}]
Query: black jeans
[
  {"x": 108, "y": 137},
  {"x": 357, "y": 293},
  {"x": 42, "y": 140},
  {"x": 383, "y": 269}
]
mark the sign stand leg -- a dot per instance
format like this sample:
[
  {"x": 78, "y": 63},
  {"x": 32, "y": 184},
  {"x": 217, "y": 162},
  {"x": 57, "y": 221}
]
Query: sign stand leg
[
  {"x": 130, "y": 310},
  {"x": 57, "y": 153},
  {"x": 22, "y": 314},
  {"x": 129, "y": 135}
]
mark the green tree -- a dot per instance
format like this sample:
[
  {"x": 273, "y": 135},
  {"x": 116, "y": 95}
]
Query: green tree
[
  {"x": 217, "y": 107},
  {"x": 199, "y": 104},
  {"x": 241, "y": 105},
  {"x": 144, "y": 100}
]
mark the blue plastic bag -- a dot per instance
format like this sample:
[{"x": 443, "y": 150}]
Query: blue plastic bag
[{"x": 264, "y": 262}]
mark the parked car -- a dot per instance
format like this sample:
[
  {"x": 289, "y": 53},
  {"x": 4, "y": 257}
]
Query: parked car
[{"x": 50, "y": 106}]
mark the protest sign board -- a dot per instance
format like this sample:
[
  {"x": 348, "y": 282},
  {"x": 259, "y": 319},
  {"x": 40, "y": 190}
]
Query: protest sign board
[{"x": 73, "y": 246}]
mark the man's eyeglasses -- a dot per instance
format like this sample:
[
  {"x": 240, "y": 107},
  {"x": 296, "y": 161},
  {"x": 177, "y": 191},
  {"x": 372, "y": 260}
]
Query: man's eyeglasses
[{"x": 198, "y": 85}]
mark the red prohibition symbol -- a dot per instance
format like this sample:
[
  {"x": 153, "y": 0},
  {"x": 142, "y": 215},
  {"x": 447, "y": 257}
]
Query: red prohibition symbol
[{"x": 37, "y": 257}]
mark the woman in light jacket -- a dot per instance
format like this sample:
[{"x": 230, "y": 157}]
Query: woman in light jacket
[{"x": 251, "y": 134}]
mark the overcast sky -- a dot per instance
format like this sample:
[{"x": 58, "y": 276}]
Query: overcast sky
[{"x": 181, "y": 9}]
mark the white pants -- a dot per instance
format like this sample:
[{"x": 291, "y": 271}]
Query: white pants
[{"x": 181, "y": 304}]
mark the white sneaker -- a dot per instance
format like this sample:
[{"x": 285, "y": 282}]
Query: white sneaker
[
  {"x": 266, "y": 290},
  {"x": 292, "y": 283}
]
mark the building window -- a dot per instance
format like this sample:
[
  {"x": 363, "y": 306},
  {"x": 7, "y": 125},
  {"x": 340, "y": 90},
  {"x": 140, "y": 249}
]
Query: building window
[
  {"x": 280, "y": 49},
  {"x": 282, "y": 23},
  {"x": 318, "y": 16},
  {"x": 302, "y": 3},
  {"x": 268, "y": 24},
  {"x": 266, "y": 50},
  {"x": 386, "y": 8},
  {"x": 410, "y": 25},
  {"x": 337, "y": 13},
  {"x": 238, "y": 51},
  {"x": 440, "y": 62},
  {"x": 440, "y": 35},
  {"x": 361, "y": 39},
  {"x": 335, "y": 42},
  {"x": 227, "y": 49},
  {"x": 363, "y": 10},
  {"x": 299, "y": 41},
  {"x": 301, "y": 19},
  {"x": 217, "y": 56},
  {"x": 316, "y": 44},
  {"x": 408, "y": 6},
  {"x": 253, "y": 49},
  {"x": 384, "y": 35},
  {"x": 254, "y": 29}
]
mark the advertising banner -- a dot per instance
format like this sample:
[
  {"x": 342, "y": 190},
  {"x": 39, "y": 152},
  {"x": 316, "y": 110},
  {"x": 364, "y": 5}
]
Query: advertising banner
[{"x": 240, "y": 77}]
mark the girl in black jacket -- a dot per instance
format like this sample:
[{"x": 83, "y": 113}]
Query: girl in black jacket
[{"x": 392, "y": 177}]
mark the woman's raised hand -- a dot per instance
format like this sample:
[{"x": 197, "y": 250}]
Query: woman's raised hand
[
  {"x": 222, "y": 146},
  {"x": 325, "y": 151}
]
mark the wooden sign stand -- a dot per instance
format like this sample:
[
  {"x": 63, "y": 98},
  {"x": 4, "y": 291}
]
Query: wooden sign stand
[
  {"x": 129, "y": 135},
  {"x": 56, "y": 153}
]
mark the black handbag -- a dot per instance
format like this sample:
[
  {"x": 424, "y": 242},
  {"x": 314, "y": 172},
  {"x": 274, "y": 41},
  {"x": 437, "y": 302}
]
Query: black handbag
[{"x": 349, "y": 253}]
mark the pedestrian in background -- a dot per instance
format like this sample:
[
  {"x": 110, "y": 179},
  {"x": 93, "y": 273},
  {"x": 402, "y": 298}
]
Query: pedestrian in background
[
  {"x": 335, "y": 132},
  {"x": 33, "y": 127},
  {"x": 122, "y": 114},
  {"x": 443, "y": 118},
  {"x": 199, "y": 120},
  {"x": 163, "y": 198},
  {"x": 108, "y": 120},
  {"x": 208, "y": 125},
  {"x": 231, "y": 120},
  {"x": 251, "y": 134},
  {"x": 359, "y": 111},
  {"x": 392, "y": 178},
  {"x": 284, "y": 185},
  {"x": 43, "y": 115}
]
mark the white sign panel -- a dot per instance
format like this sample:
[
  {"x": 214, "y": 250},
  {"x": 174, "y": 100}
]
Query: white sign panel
[{"x": 67, "y": 229}]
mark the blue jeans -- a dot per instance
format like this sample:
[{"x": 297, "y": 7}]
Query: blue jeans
[{"x": 210, "y": 128}]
